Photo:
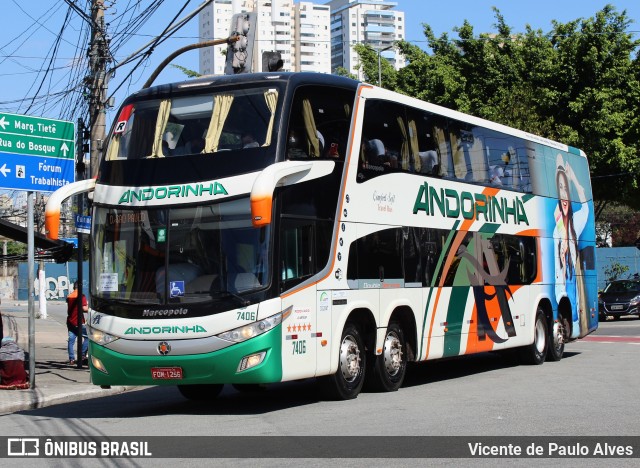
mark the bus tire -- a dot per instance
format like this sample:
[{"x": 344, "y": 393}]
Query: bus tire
[
  {"x": 389, "y": 368},
  {"x": 202, "y": 392},
  {"x": 347, "y": 382},
  {"x": 556, "y": 341},
  {"x": 536, "y": 352}
]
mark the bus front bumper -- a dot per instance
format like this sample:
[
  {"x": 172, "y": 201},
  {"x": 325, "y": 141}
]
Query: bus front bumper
[{"x": 218, "y": 367}]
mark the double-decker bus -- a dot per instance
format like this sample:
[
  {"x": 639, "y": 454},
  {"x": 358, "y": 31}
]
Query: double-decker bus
[{"x": 261, "y": 228}]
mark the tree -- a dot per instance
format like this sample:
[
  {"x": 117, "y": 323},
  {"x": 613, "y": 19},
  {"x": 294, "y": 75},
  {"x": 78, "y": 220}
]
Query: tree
[
  {"x": 598, "y": 100},
  {"x": 619, "y": 224},
  {"x": 369, "y": 66},
  {"x": 341, "y": 71},
  {"x": 615, "y": 270}
]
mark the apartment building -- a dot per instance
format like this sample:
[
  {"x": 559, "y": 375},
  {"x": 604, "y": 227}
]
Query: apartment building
[
  {"x": 312, "y": 45},
  {"x": 373, "y": 22},
  {"x": 299, "y": 31},
  {"x": 309, "y": 36}
]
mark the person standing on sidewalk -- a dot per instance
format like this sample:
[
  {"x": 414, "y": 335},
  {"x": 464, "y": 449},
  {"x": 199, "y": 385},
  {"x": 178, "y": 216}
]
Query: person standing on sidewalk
[{"x": 72, "y": 324}]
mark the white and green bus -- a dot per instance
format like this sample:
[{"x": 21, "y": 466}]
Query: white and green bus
[{"x": 261, "y": 228}]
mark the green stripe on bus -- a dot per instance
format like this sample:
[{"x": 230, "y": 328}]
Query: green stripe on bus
[
  {"x": 489, "y": 228},
  {"x": 455, "y": 315},
  {"x": 439, "y": 264}
]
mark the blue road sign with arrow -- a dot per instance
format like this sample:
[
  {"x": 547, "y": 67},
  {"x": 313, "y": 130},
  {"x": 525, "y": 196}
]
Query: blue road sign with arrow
[{"x": 36, "y": 154}]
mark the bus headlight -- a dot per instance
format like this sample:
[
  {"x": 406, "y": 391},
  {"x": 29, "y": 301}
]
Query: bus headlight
[
  {"x": 100, "y": 337},
  {"x": 240, "y": 334}
]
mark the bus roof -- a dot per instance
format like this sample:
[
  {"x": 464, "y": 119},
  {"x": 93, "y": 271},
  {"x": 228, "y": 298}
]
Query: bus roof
[
  {"x": 295, "y": 78},
  {"x": 248, "y": 78}
]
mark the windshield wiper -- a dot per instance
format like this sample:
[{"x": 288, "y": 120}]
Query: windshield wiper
[{"x": 239, "y": 299}]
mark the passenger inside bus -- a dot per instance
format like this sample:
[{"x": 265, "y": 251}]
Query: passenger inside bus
[
  {"x": 429, "y": 160},
  {"x": 374, "y": 153},
  {"x": 248, "y": 141},
  {"x": 495, "y": 175},
  {"x": 294, "y": 145},
  {"x": 299, "y": 146}
]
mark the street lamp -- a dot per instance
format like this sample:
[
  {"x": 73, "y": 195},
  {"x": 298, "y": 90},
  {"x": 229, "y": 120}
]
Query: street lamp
[{"x": 380, "y": 64}]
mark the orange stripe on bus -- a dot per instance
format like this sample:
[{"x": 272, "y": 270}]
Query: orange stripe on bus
[
  {"x": 530, "y": 233},
  {"x": 453, "y": 250},
  {"x": 452, "y": 253}
]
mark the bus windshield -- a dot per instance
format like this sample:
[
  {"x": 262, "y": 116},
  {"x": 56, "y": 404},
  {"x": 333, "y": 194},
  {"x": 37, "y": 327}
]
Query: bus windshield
[
  {"x": 178, "y": 255},
  {"x": 225, "y": 120}
]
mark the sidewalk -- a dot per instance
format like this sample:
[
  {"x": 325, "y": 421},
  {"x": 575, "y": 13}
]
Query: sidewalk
[{"x": 55, "y": 381}]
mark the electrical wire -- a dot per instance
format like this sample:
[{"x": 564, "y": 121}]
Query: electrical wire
[{"x": 149, "y": 50}]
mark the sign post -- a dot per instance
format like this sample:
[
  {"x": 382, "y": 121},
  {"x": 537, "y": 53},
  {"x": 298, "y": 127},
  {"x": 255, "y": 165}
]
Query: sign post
[{"x": 36, "y": 155}]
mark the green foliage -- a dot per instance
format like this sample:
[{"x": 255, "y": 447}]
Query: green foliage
[
  {"x": 578, "y": 84},
  {"x": 618, "y": 223},
  {"x": 369, "y": 61},
  {"x": 614, "y": 271},
  {"x": 187, "y": 71},
  {"x": 341, "y": 71},
  {"x": 16, "y": 248}
]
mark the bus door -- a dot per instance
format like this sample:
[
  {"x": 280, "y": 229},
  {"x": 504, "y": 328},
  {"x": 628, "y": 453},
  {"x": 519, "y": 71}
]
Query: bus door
[
  {"x": 296, "y": 264},
  {"x": 299, "y": 335}
]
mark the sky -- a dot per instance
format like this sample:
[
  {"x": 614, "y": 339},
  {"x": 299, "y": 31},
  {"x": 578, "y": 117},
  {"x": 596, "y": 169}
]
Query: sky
[{"x": 32, "y": 27}]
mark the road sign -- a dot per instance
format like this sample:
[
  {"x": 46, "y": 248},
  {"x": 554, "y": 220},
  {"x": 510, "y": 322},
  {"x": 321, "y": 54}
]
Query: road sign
[
  {"x": 36, "y": 154},
  {"x": 83, "y": 224},
  {"x": 71, "y": 240}
]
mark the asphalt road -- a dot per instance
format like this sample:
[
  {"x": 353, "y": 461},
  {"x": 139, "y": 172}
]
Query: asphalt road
[{"x": 593, "y": 391}]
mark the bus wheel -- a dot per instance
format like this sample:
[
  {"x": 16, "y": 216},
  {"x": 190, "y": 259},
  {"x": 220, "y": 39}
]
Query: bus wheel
[
  {"x": 556, "y": 348},
  {"x": 347, "y": 382},
  {"x": 390, "y": 367},
  {"x": 536, "y": 352},
  {"x": 201, "y": 392}
]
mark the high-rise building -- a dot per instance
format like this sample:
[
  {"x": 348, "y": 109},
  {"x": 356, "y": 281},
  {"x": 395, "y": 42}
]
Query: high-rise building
[
  {"x": 300, "y": 32},
  {"x": 372, "y": 22},
  {"x": 312, "y": 45}
]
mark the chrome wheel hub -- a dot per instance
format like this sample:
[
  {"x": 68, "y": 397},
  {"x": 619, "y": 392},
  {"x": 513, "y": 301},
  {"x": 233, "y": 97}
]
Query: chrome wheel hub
[
  {"x": 540, "y": 339},
  {"x": 558, "y": 335},
  {"x": 349, "y": 358},
  {"x": 392, "y": 354}
]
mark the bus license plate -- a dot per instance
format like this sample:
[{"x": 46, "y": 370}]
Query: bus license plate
[{"x": 166, "y": 373}]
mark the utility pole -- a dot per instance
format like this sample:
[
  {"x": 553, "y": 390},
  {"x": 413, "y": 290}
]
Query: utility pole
[{"x": 96, "y": 82}]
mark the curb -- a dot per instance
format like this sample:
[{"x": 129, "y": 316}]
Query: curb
[{"x": 36, "y": 399}]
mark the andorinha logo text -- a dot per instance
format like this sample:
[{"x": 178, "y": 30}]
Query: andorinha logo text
[
  {"x": 175, "y": 191},
  {"x": 159, "y": 330},
  {"x": 453, "y": 204}
]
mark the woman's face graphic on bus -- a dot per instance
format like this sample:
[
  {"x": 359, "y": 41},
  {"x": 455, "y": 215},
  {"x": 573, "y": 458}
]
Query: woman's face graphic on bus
[{"x": 563, "y": 191}]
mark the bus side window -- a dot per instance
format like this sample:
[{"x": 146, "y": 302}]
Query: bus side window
[
  {"x": 423, "y": 141},
  {"x": 385, "y": 122},
  {"x": 319, "y": 127},
  {"x": 304, "y": 249},
  {"x": 377, "y": 257}
]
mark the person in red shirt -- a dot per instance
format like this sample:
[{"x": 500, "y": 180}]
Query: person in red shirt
[{"x": 72, "y": 324}]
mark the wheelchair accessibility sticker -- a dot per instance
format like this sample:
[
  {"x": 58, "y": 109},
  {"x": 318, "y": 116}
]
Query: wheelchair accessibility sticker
[{"x": 176, "y": 288}]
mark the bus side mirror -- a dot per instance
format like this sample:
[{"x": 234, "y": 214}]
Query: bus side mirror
[
  {"x": 52, "y": 209},
  {"x": 280, "y": 175}
]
